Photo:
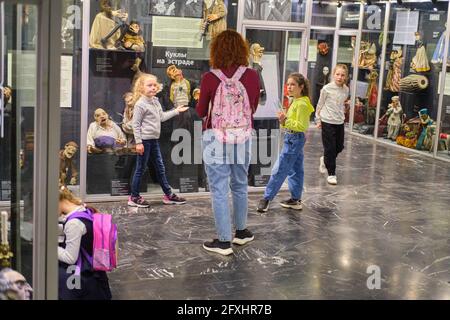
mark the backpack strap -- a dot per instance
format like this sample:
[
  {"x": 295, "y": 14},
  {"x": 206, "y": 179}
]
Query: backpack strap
[
  {"x": 239, "y": 72},
  {"x": 86, "y": 214},
  {"x": 219, "y": 74}
]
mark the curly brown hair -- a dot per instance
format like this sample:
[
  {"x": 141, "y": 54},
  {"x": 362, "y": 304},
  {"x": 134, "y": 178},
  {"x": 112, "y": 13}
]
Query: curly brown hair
[{"x": 229, "y": 48}]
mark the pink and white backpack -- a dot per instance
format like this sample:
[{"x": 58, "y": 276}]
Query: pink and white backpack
[
  {"x": 231, "y": 117},
  {"x": 105, "y": 244}
]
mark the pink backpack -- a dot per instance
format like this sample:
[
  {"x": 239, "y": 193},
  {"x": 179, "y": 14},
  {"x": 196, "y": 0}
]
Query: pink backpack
[
  {"x": 104, "y": 251},
  {"x": 231, "y": 117}
]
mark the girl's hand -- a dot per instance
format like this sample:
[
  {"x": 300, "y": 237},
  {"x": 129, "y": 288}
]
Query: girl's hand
[
  {"x": 319, "y": 124},
  {"x": 182, "y": 109},
  {"x": 140, "y": 149},
  {"x": 281, "y": 116}
]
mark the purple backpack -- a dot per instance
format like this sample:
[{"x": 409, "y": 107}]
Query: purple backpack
[
  {"x": 231, "y": 117},
  {"x": 105, "y": 244}
]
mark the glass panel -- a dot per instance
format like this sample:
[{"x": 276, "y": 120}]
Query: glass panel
[
  {"x": 324, "y": 14},
  {"x": 17, "y": 146},
  {"x": 281, "y": 57},
  {"x": 345, "y": 54},
  {"x": 275, "y": 10},
  {"x": 70, "y": 93},
  {"x": 413, "y": 68},
  {"x": 369, "y": 60},
  {"x": 350, "y": 16},
  {"x": 320, "y": 61}
]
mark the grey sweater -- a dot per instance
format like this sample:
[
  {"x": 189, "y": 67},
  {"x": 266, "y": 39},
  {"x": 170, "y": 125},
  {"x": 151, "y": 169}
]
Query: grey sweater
[
  {"x": 147, "y": 118},
  {"x": 330, "y": 108}
]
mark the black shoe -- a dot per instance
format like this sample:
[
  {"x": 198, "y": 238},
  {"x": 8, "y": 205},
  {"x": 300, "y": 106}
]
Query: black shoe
[
  {"x": 263, "y": 205},
  {"x": 292, "y": 204},
  {"x": 221, "y": 247},
  {"x": 243, "y": 236}
]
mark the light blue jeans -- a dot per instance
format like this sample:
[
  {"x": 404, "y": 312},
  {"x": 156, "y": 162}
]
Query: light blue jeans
[
  {"x": 226, "y": 167},
  {"x": 290, "y": 165}
]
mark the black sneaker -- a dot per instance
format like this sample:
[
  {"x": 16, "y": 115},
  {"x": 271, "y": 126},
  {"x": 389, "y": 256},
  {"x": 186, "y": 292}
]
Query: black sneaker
[
  {"x": 138, "y": 202},
  {"x": 263, "y": 205},
  {"x": 221, "y": 247},
  {"x": 292, "y": 204},
  {"x": 243, "y": 236},
  {"x": 173, "y": 199}
]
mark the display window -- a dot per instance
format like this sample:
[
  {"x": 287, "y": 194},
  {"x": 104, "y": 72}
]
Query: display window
[
  {"x": 276, "y": 10},
  {"x": 410, "y": 93},
  {"x": 369, "y": 71},
  {"x": 324, "y": 13},
  {"x": 168, "y": 39},
  {"x": 350, "y": 15},
  {"x": 320, "y": 61}
]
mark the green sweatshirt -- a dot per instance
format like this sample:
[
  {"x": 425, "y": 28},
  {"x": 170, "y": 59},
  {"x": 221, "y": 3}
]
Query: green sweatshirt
[{"x": 298, "y": 115}]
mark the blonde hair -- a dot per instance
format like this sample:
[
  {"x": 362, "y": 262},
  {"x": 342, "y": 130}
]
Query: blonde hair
[
  {"x": 66, "y": 194},
  {"x": 139, "y": 84},
  {"x": 343, "y": 67}
]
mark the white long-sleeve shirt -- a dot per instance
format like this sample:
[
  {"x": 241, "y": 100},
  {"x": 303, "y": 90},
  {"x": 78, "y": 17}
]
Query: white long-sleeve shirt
[
  {"x": 331, "y": 108},
  {"x": 73, "y": 231}
]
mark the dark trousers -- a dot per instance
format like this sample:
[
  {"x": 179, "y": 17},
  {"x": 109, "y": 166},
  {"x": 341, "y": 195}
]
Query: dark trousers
[
  {"x": 333, "y": 144},
  {"x": 151, "y": 156}
]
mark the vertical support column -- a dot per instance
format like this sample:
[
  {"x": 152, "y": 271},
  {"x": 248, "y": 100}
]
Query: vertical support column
[
  {"x": 442, "y": 86},
  {"x": 382, "y": 66},
  {"x": 47, "y": 140},
  {"x": 84, "y": 96}
]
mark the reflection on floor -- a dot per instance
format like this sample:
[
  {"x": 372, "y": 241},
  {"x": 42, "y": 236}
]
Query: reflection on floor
[{"x": 391, "y": 210}]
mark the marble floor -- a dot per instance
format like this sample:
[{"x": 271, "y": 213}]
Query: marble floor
[{"x": 389, "y": 215}]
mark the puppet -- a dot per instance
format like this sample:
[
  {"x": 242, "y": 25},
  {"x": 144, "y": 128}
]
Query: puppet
[
  {"x": 256, "y": 54},
  {"x": 66, "y": 163},
  {"x": 214, "y": 18},
  {"x": 394, "y": 114},
  {"x": 420, "y": 61},
  {"x": 133, "y": 40},
  {"x": 104, "y": 135}
]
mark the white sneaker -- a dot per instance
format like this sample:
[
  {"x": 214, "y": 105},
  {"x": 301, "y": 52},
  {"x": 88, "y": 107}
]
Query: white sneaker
[
  {"x": 322, "y": 167},
  {"x": 332, "y": 180}
]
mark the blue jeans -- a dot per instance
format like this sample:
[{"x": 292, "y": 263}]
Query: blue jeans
[
  {"x": 152, "y": 155},
  {"x": 226, "y": 167},
  {"x": 290, "y": 165}
]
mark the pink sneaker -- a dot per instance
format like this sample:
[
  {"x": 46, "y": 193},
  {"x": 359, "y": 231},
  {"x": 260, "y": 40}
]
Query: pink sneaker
[{"x": 173, "y": 199}]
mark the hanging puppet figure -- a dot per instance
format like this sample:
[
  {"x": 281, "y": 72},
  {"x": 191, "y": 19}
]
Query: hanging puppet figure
[
  {"x": 372, "y": 96},
  {"x": 256, "y": 54},
  {"x": 180, "y": 88},
  {"x": 420, "y": 61},
  {"x": 66, "y": 163},
  {"x": 438, "y": 55},
  {"x": 395, "y": 71},
  {"x": 214, "y": 18},
  {"x": 133, "y": 39}
]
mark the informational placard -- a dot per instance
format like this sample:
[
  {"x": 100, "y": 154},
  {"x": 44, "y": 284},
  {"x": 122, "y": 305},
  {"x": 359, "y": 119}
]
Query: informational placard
[
  {"x": 294, "y": 47},
  {"x": 260, "y": 180},
  {"x": 66, "y": 82},
  {"x": 447, "y": 84},
  {"x": 271, "y": 78},
  {"x": 361, "y": 89},
  {"x": 176, "y": 32},
  {"x": 312, "y": 52},
  {"x": 406, "y": 25},
  {"x": 163, "y": 57},
  {"x": 5, "y": 190},
  {"x": 23, "y": 66},
  {"x": 188, "y": 184},
  {"x": 120, "y": 187},
  {"x": 345, "y": 54}
]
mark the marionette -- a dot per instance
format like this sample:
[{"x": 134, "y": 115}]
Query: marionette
[
  {"x": 132, "y": 39},
  {"x": 372, "y": 96},
  {"x": 214, "y": 18},
  {"x": 66, "y": 163},
  {"x": 105, "y": 33},
  {"x": 420, "y": 61},
  {"x": 425, "y": 122},
  {"x": 438, "y": 55},
  {"x": 395, "y": 71},
  {"x": 127, "y": 122},
  {"x": 367, "y": 55},
  {"x": 394, "y": 114},
  {"x": 256, "y": 54},
  {"x": 104, "y": 135}
]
